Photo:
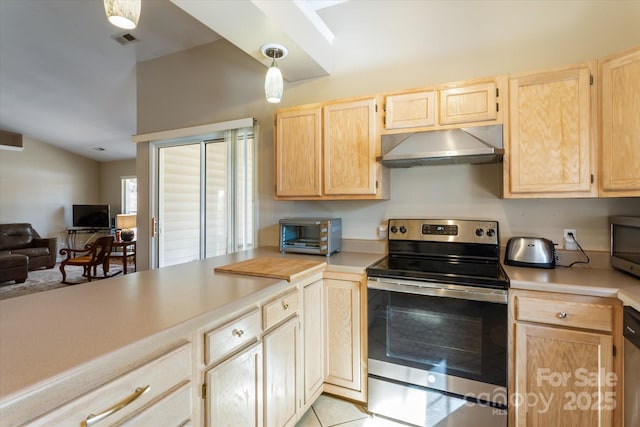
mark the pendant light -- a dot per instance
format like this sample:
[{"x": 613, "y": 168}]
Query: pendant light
[
  {"x": 123, "y": 13},
  {"x": 273, "y": 83}
]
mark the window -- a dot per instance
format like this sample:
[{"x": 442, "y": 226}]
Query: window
[
  {"x": 205, "y": 203},
  {"x": 129, "y": 195}
]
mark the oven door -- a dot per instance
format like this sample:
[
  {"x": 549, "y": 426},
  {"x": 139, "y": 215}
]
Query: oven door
[{"x": 435, "y": 350}]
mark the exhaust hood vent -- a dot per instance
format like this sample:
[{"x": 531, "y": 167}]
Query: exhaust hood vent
[{"x": 480, "y": 144}]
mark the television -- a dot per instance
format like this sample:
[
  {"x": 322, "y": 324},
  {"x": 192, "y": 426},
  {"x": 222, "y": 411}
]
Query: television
[{"x": 91, "y": 216}]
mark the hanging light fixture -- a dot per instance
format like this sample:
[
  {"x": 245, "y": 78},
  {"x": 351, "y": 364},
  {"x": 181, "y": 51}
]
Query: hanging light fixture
[
  {"x": 123, "y": 13},
  {"x": 273, "y": 84}
]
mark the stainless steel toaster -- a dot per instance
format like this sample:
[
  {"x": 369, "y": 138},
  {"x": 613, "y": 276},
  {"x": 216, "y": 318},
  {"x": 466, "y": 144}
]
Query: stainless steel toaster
[{"x": 530, "y": 252}]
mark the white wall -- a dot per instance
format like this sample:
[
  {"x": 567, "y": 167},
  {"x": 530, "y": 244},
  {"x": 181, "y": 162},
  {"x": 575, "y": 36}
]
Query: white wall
[
  {"x": 40, "y": 184},
  {"x": 217, "y": 82}
]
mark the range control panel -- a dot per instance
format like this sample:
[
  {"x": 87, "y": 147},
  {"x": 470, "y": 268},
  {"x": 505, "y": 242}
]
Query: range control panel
[{"x": 444, "y": 230}]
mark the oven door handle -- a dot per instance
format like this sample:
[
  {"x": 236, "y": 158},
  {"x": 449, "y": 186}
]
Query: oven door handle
[{"x": 439, "y": 290}]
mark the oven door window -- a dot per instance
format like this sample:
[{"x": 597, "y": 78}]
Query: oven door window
[{"x": 451, "y": 336}]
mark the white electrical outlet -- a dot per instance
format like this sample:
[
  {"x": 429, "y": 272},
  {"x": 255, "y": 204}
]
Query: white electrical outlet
[{"x": 570, "y": 242}]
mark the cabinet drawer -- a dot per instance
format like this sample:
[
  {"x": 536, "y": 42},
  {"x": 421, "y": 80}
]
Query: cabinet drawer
[
  {"x": 232, "y": 336},
  {"x": 278, "y": 310},
  {"x": 584, "y": 315},
  {"x": 172, "y": 410},
  {"x": 160, "y": 375}
]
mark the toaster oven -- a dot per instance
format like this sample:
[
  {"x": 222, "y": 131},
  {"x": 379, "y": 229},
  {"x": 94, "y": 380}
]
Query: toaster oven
[
  {"x": 625, "y": 243},
  {"x": 319, "y": 236}
]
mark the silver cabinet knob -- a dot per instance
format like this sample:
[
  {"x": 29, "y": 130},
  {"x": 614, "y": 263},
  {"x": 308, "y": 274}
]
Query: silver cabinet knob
[
  {"x": 238, "y": 332},
  {"x": 562, "y": 315}
]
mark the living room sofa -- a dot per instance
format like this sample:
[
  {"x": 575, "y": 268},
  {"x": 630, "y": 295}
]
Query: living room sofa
[{"x": 18, "y": 241}]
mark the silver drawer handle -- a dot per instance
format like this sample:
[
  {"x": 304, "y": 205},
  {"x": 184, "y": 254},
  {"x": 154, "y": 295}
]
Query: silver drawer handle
[
  {"x": 92, "y": 419},
  {"x": 562, "y": 315},
  {"x": 238, "y": 332},
  {"x": 285, "y": 305}
]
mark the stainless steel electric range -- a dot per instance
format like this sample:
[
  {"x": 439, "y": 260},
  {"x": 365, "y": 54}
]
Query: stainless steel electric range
[{"x": 437, "y": 332}]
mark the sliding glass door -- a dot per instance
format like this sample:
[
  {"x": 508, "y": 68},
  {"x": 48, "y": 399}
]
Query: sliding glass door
[{"x": 205, "y": 203}]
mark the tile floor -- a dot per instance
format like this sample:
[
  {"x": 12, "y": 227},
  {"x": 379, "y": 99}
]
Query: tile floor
[{"x": 330, "y": 411}]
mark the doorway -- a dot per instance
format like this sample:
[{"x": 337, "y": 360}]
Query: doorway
[{"x": 205, "y": 204}]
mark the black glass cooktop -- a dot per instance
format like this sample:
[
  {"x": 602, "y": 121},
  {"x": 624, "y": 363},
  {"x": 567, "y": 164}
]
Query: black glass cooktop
[{"x": 469, "y": 272}]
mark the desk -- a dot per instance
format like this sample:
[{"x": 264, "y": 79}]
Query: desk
[{"x": 124, "y": 250}]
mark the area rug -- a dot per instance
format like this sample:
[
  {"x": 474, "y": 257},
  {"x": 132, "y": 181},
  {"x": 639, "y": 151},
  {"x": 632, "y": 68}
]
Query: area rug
[{"x": 44, "y": 280}]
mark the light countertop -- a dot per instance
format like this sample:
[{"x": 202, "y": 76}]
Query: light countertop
[
  {"x": 603, "y": 282},
  {"x": 44, "y": 335}
]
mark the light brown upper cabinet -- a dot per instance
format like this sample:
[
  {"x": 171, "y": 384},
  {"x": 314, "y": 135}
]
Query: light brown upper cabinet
[
  {"x": 444, "y": 106},
  {"x": 470, "y": 103},
  {"x": 411, "y": 110},
  {"x": 620, "y": 125},
  {"x": 299, "y": 152},
  {"x": 328, "y": 151},
  {"x": 550, "y": 134}
]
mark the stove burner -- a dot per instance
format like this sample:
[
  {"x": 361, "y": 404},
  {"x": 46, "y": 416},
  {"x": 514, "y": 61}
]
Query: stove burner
[
  {"x": 463, "y": 252},
  {"x": 455, "y": 271}
]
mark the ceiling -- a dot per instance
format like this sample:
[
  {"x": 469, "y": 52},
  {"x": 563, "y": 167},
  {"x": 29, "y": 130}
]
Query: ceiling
[{"x": 66, "y": 81}]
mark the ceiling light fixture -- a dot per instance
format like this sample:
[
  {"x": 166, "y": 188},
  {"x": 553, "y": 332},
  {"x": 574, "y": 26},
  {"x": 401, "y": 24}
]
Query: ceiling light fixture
[
  {"x": 123, "y": 13},
  {"x": 273, "y": 84}
]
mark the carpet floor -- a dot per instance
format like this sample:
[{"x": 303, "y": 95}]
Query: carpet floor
[{"x": 44, "y": 280}]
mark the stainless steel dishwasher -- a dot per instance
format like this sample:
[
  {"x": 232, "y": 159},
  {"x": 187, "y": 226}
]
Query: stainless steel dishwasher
[{"x": 631, "y": 367}]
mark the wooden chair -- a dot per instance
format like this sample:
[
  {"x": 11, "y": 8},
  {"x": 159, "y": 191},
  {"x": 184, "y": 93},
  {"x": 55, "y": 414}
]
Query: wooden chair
[{"x": 93, "y": 255}]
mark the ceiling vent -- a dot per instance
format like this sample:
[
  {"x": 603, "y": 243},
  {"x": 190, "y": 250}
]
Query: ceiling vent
[
  {"x": 10, "y": 141},
  {"x": 125, "y": 39}
]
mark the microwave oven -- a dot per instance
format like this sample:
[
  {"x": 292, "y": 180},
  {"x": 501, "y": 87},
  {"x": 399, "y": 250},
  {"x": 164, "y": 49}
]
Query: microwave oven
[
  {"x": 625, "y": 243},
  {"x": 319, "y": 236}
]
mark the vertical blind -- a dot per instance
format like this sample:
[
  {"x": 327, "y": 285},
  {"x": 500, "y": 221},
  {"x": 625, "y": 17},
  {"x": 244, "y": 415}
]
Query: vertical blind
[{"x": 206, "y": 197}]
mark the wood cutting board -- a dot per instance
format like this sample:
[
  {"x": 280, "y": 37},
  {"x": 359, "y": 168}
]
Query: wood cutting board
[{"x": 276, "y": 268}]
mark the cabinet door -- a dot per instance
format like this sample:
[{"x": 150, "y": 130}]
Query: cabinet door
[
  {"x": 342, "y": 333},
  {"x": 620, "y": 144},
  {"x": 280, "y": 375},
  {"x": 473, "y": 103},
  {"x": 563, "y": 377},
  {"x": 350, "y": 164},
  {"x": 410, "y": 110},
  {"x": 549, "y": 145},
  {"x": 312, "y": 323},
  {"x": 234, "y": 390},
  {"x": 298, "y": 151}
]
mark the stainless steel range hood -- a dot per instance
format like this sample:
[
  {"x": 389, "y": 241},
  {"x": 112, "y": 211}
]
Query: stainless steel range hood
[{"x": 481, "y": 144}]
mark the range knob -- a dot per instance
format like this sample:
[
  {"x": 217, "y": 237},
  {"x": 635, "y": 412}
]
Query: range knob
[
  {"x": 403, "y": 229},
  {"x": 491, "y": 232},
  {"x": 394, "y": 229},
  {"x": 479, "y": 232}
]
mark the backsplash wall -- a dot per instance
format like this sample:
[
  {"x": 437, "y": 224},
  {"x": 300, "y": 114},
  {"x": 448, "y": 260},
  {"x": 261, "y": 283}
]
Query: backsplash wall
[{"x": 461, "y": 191}]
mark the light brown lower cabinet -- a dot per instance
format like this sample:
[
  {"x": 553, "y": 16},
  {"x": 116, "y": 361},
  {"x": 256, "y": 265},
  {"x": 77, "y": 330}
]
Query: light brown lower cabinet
[
  {"x": 565, "y": 360},
  {"x": 345, "y": 335},
  {"x": 281, "y": 374},
  {"x": 313, "y": 347},
  {"x": 159, "y": 389},
  {"x": 234, "y": 388}
]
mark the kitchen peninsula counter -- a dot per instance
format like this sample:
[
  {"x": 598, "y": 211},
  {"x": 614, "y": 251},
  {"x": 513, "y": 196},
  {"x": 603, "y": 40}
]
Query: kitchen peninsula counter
[{"x": 70, "y": 334}]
